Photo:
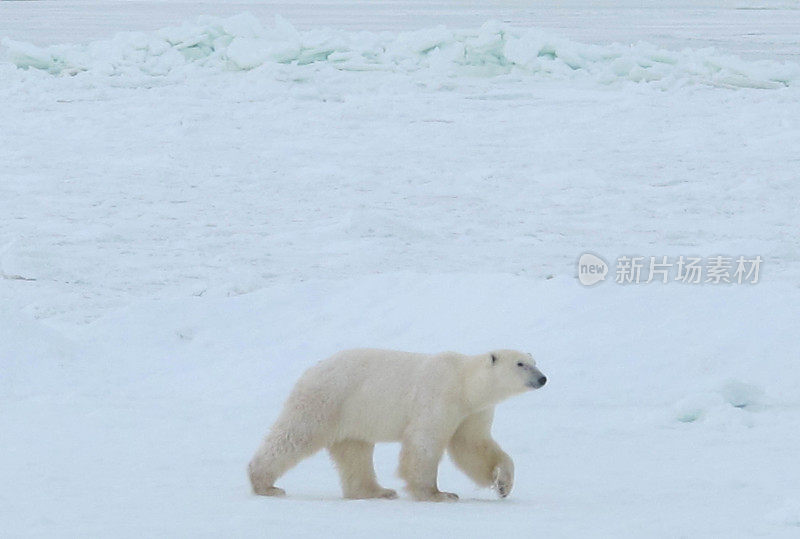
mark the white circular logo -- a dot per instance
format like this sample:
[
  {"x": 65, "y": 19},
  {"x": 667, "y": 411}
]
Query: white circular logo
[{"x": 591, "y": 269}]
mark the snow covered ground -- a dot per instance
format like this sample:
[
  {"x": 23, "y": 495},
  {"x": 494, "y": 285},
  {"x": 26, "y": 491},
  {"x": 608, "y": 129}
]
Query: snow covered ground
[{"x": 195, "y": 211}]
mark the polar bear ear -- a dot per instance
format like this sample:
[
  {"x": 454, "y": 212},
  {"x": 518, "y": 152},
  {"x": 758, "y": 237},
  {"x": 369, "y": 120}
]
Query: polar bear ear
[{"x": 494, "y": 359}]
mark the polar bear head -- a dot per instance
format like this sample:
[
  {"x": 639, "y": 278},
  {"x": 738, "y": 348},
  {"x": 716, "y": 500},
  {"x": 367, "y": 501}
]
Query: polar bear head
[{"x": 512, "y": 372}]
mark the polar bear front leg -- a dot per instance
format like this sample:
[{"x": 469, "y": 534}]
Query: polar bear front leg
[
  {"x": 419, "y": 465},
  {"x": 475, "y": 452},
  {"x": 353, "y": 459}
]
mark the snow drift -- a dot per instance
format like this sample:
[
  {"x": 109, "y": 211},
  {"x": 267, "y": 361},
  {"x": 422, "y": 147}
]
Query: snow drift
[{"x": 242, "y": 43}]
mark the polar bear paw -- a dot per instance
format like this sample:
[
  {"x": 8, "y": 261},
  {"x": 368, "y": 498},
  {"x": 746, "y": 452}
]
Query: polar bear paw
[
  {"x": 366, "y": 494},
  {"x": 444, "y": 497},
  {"x": 387, "y": 493},
  {"x": 437, "y": 496},
  {"x": 270, "y": 491},
  {"x": 503, "y": 481},
  {"x": 432, "y": 495}
]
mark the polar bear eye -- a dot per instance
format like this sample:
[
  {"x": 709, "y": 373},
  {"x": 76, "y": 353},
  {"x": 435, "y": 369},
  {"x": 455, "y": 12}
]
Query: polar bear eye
[{"x": 520, "y": 364}]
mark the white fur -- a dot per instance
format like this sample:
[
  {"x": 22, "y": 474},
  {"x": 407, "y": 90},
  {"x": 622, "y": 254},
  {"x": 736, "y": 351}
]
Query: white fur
[{"x": 429, "y": 403}]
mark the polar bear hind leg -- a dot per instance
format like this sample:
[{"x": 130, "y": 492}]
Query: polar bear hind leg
[
  {"x": 353, "y": 459},
  {"x": 293, "y": 438}
]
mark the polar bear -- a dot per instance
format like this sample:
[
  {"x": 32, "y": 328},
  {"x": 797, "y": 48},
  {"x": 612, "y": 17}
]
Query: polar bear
[{"x": 429, "y": 403}]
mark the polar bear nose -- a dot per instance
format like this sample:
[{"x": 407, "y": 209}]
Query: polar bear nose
[{"x": 542, "y": 381}]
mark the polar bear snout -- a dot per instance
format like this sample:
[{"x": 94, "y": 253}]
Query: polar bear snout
[{"x": 537, "y": 380}]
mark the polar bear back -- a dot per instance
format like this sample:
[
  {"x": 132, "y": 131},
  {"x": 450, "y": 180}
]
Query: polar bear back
[{"x": 373, "y": 393}]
